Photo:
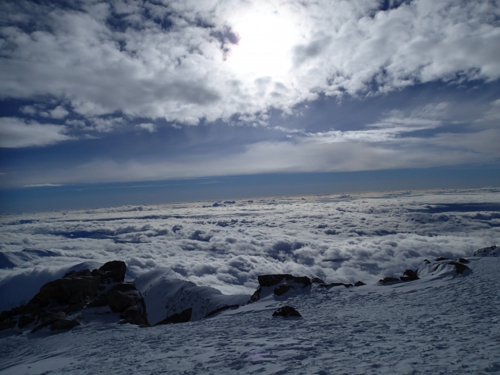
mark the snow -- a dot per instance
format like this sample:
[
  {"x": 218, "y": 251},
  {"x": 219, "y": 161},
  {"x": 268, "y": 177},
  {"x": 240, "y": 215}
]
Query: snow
[{"x": 442, "y": 323}]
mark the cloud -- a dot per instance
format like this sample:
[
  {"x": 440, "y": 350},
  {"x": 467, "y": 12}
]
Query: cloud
[
  {"x": 172, "y": 61},
  {"x": 148, "y": 127},
  {"x": 15, "y": 133},
  {"x": 337, "y": 238}
]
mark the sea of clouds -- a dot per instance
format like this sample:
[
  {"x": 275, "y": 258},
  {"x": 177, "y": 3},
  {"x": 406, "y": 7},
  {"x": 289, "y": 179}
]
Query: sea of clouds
[{"x": 227, "y": 244}]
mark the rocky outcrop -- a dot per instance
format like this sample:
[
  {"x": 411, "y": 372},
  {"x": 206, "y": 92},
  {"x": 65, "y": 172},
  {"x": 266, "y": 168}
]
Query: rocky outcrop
[
  {"x": 440, "y": 266},
  {"x": 57, "y": 300},
  {"x": 282, "y": 283},
  {"x": 270, "y": 280},
  {"x": 183, "y": 317},
  {"x": 287, "y": 311}
]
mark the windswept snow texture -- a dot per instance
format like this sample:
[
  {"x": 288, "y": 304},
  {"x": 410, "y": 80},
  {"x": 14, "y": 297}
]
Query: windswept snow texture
[{"x": 442, "y": 323}]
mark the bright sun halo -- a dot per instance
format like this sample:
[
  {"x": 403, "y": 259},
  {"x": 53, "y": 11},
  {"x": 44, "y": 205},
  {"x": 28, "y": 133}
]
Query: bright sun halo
[{"x": 265, "y": 44}]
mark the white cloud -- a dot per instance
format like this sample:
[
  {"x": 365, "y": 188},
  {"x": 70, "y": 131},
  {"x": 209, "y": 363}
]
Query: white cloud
[
  {"x": 346, "y": 239},
  {"x": 184, "y": 73},
  {"x": 148, "y": 127},
  {"x": 16, "y": 133},
  {"x": 58, "y": 112}
]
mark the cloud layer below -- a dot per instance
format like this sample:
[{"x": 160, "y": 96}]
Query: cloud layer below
[{"x": 228, "y": 244}]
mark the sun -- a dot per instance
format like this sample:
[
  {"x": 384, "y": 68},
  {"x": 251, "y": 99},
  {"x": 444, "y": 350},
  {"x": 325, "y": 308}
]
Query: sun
[{"x": 266, "y": 38}]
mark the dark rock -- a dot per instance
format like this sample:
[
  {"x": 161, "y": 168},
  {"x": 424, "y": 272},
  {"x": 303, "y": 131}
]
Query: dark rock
[
  {"x": 282, "y": 289},
  {"x": 459, "y": 267},
  {"x": 317, "y": 280},
  {"x": 133, "y": 315},
  {"x": 123, "y": 287},
  {"x": 359, "y": 283},
  {"x": 63, "y": 325},
  {"x": 7, "y": 325},
  {"x": 82, "y": 273},
  {"x": 68, "y": 290},
  {"x": 119, "y": 301},
  {"x": 256, "y": 295},
  {"x": 388, "y": 280},
  {"x": 114, "y": 271},
  {"x": 222, "y": 308},
  {"x": 49, "y": 320},
  {"x": 270, "y": 280},
  {"x": 183, "y": 317},
  {"x": 462, "y": 260},
  {"x": 287, "y": 311},
  {"x": 409, "y": 275},
  {"x": 25, "y": 320},
  {"x": 441, "y": 258},
  {"x": 99, "y": 302}
]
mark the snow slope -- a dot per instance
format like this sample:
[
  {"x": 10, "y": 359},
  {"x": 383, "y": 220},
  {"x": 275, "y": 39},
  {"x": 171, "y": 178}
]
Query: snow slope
[{"x": 429, "y": 326}]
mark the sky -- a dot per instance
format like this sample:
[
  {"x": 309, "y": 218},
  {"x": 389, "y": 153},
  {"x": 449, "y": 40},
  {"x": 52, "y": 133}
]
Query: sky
[{"x": 245, "y": 96}]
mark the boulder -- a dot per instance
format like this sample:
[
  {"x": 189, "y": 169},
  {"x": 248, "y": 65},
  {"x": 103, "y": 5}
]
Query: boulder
[
  {"x": 113, "y": 271},
  {"x": 183, "y": 317},
  {"x": 63, "y": 325},
  {"x": 459, "y": 267},
  {"x": 220, "y": 309},
  {"x": 282, "y": 289},
  {"x": 388, "y": 280},
  {"x": 270, "y": 280},
  {"x": 67, "y": 290},
  {"x": 119, "y": 301},
  {"x": 133, "y": 315},
  {"x": 409, "y": 275},
  {"x": 287, "y": 311},
  {"x": 256, "y": 295}
]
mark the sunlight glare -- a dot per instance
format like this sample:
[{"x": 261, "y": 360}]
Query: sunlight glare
[{"x": 265, "y": 44}]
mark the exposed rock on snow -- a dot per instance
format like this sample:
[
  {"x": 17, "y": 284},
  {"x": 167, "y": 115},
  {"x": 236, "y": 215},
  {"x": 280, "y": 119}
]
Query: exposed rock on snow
[
  {"x": 282, "y": 289},
  {"x": 74, "y": 292},
  {"x": 492, "y": 251},
  {"x": 287, "y": 311},
  {"x": 270, "y": 280},
  {"x": 165, "y": 296},
  {"x": 182, "y": 317},
  {"x": 440, "y": 267}
]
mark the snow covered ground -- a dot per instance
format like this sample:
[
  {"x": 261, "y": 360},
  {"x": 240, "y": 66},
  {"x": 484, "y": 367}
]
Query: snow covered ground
[{"x": 442, "y": 323}]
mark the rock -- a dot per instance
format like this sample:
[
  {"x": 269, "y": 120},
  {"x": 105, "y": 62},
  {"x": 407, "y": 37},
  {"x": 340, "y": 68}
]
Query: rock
[
  {"x": 282, "y": 289},
  {"x": 63, "y": 325},
  {"x": 113, "y": 271},
  {"x": 7, "y": 325},
  {"x": 85, "y": 272},
  {"x": 459, "y": 267},
  {"x": 409, "y": 275},
  {"x": 440, "y": 258},
  {"x": 270, "y": 280},
  {"x": 25, "y": 320},
  {"x": 67, "y": 290},
  {"x": 222, "y": 308},
  {"x": 119, "y": 301},
  {"x": 133, "y": 315},
  {"x": 359, "y": 283},
  {"x": 317, "y": 280},
  {"x": 388, "y": 280},
  {"x": 183, "y": 317},
  {"x": 256, "y": 295},
  {"x": 49, "y": 320},
  {"x": 462, "y": 260},
  {"x": 287, "y": 311},
  {"x": 123, "y": 287}
]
